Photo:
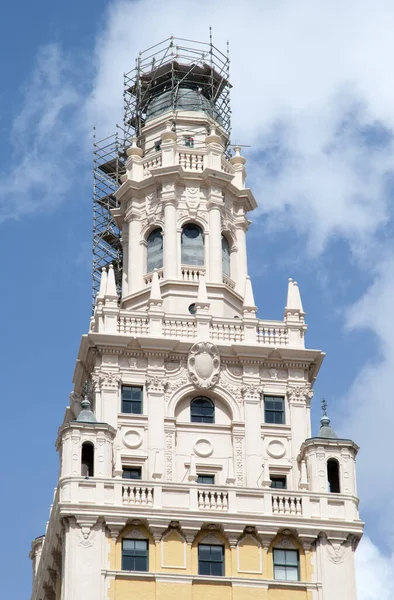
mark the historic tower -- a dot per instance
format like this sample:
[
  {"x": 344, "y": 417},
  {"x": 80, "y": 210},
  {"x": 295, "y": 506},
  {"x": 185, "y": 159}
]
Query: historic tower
[{"x": 187, "y": 462}]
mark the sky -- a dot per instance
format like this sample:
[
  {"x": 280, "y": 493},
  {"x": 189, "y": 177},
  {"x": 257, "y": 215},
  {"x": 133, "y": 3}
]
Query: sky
[{"x": 313, "y": 99}]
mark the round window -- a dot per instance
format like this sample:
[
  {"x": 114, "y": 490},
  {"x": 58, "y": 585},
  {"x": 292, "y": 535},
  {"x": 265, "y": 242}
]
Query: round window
[{"x": 192, "y": 309}]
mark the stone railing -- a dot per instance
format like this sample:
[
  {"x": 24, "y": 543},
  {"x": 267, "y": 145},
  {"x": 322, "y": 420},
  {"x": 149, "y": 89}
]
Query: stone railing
[
  {"x": 152, "y": 161},
  {"x": 229, "y": 282},
  {"x": 190, "y": 160},
  {"x": 197, "y": 498},
  {"x": 192, "y": 273},
  {"x": 227, "y": 167},
  {"x": 266, "y": 333},
  {"x": 272, "y": 333},
  {"x": 180, "y": 328},
  {"x": 149, "y": 276}
]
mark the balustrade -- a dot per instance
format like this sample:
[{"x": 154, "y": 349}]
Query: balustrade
[
  {"x": 272, "y": 335},
  {"x": 152, "y": 162},
  {"x": 137, "y": 495},
  {"x": 286, "y": 505},
  {"x": 183, "y": 328},
  {"x": 191, "y": 161},
  {"x": 212, "y": 500},
  {"x": 192, "y": 273},
  {"x": 133, "y": 325},
  {"x": 226, "y": 332}
]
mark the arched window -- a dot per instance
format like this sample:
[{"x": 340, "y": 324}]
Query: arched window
[
  {"x": 87, "y": 460},
  {"x": 154, "y": 250},
  {"x": 225, "y": 256},
  {"x": 192, "y": 241},
  {"x": 202, "y": 410},
  {"x": 333, "y": 476}
]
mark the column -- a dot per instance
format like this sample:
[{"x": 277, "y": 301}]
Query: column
[
  {"x": 156, "y": 386},
  {"x": 252, "y": 397},
  {"x": 214, "y": 205},
  {"x": 125, "y": 272},
  {"x": 242, "y": 263},
  {"x": 170, "y": 260},
  {"x": 135, "y": 252}
]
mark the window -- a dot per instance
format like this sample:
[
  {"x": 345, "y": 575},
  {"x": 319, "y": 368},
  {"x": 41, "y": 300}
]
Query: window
[
  {"x": 158, "y": 146},
  {"x": 274, "y": 409},
  {"x": 189, "y": 141},
  {"x": 210, "y": 560},
  {"x": 225, "y": 256},
  {"x": 206, "y": 479},
  {"x": 278, "y": 482},
  {"x": 132, "y": 399},
  {"x": 202, "y": 410},
  {"x": 87, "y": 460},
  {"x": 131, "y": 473},
  {"x": 154, "y": 251},
  {"x": 192, "y": 242},
  {"x": 134, "y": 555},
  {"x": 286, "y": 565},
  {"x": 333, "y": 476}
]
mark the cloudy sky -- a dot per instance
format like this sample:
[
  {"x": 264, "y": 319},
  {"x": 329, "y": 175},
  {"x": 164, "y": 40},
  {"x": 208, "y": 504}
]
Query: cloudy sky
[{"x": 313, "y": 98}]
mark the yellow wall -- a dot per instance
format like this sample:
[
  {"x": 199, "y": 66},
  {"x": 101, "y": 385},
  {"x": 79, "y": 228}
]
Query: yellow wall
[{"x": 173, "y": 555}]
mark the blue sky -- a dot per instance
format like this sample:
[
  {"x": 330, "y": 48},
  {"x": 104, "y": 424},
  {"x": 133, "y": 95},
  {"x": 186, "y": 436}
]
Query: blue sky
[{"x": 313, "y": 97}]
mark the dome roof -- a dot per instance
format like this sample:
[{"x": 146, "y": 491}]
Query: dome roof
[
  {"x": 187, "y": 99},
  {"x": 326, "y": 431},
  {"x": 86, "y": 415}
]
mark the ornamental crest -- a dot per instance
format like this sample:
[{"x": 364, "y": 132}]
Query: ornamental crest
[{"x": 203, "y": 364}]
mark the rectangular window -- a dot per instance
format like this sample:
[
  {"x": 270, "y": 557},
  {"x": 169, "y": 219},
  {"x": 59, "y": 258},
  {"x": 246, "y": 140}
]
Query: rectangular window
[
  {"x": 135, "y": 555},
  {"x": 207, "y": 479},
  {"x": 189, "y": 141},
  {"x": 278, "y": 482},
  {"x": 274, "y": 409},
  {"x": 132, "y": 399},
  {"x": 131, "y": 473},
  {"x": 286, "y": 565},
  {"x": 210, "y": 560}
]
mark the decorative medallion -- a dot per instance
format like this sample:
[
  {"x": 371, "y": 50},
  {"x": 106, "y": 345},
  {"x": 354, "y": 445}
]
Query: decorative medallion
[
  {"x": 203, "y": 448},
  {"x": 276, "y": 449},
  {"x": 203, "y": 364},
  {"x": 132, "y": 438}
]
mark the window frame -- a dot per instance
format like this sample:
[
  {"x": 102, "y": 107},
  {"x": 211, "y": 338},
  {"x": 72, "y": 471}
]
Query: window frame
[
  {"x": 187, "y": 257},
  {"x": 135, "y": 554},
  {"x": 274, "y": 411},
  {"x": 126, "y": 469},
  {"x": 205, "y": 475},
  {"x": 211, "y": 561},
  {"x": 224, "y": 262},
  {"x": 132, "y": 401},
  {"x": 285, "y": 565},
  {"x": 151, "y": 268},
  {"x": 201, "y": 418},
  {"x": 277, "y": 478}
]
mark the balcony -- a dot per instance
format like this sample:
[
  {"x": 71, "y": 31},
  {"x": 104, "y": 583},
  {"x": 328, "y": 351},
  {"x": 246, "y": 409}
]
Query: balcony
[{"x": 199, "y": 499}]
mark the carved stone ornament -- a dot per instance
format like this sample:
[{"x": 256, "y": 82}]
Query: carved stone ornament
[
  {"x": 300, "y": 394},
  {"x": 156, "y": 384},
  {"x": 203, "y": 364}
]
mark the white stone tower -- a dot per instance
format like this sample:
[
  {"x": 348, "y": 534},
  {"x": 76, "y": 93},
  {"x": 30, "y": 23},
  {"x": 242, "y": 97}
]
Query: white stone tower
[{"x": 187, "y": 463}]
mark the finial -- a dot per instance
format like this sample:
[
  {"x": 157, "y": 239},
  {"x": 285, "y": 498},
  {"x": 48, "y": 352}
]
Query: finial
[
  {"x": 326, "y": 431},
  {"x": 324, "y": 407},
  {"x": 110, "y": 291}
]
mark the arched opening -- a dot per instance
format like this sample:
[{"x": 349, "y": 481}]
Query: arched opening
[
  {"x": 333, "y": 476},
  {"x": 192, "y": 245},
  {"x": 202, "y": 410},
  {"x": 154, "y": 251},
  {"x": 87, "y": 460},
  {"x": 225, "y": 256}
]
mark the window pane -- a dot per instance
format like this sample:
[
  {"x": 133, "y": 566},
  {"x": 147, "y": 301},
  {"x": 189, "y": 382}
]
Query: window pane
[
  {"x": 127, "y": 563},
  {"x": 128, "y": 544},
  {"x": 155, "y": 250},
  {"x": 292, "y": 573},
  {"x": 141, "y": 545},
  {"x": 192, "y": 245},
  {"x": 141, "y": 563},
  {"x": 279, "y": 557},
  {"x": 280, "y": 572},
  {"x": 292, "y": 557},
  {"x": 204, "y": 568},
  {"x": 204, "y": 552},
  {"x": 207, "y": 479},
  {"x": 217, "y": 569},
  {"x": 217, "y": 553},
  {"x": 225, "y": 257}
]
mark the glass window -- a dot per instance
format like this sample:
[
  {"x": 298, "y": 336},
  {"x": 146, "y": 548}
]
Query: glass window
[
  {"x": 154, "y": 250},
  {"x": 278, "y": 482},
  {"x": 134, "y": 555},
  {"x": 87, "y": 460},
  {"x": 132, "y": 399},
  {"x": 225, "y": 256},
  {"x": 286, "y": 565},
  {"x": 202, "y": 410},
  {"x": 189, "y": 141},
  {"x": 192, "y": 242},
  {"x": 207, "y": 479},
  {"x": 210, "y": 560},
  {"x": 274, "y": 409},
  {"x": 131, "y": 473}
]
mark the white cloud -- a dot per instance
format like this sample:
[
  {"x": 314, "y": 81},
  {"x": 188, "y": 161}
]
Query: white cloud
[{"x": 375, "y": 572}]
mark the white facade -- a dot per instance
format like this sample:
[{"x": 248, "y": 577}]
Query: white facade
[{"x": 222, "y": 351}]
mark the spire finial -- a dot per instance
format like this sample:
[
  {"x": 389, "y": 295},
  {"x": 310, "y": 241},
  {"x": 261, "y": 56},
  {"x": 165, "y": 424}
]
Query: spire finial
[{"x": 324, "y": 406}]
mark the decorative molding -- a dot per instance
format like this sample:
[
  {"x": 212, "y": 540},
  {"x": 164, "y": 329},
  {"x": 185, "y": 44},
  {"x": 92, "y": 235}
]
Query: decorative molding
[
  {"x": 169, "y": 454},
  {"x": 235, "y": 389},
  {"x": 251, "y": 392},
  {"x": 106, "y": 379},
  {"x": 156, "y": 384},
  {"x": 175, "y": 384},
  {"x": 204, "y": 365},
  {"x": 300, "y": 394},
  {"x": 239, "y": 460}
]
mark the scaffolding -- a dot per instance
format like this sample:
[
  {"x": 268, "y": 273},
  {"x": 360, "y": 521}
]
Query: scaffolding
[{"x": 176, "y": 74}]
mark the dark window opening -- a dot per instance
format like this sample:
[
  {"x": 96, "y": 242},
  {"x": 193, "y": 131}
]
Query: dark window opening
[
  {"x": 87, "y": 460},
  {"x": 210, "y": 560},
  {"x": 131, "y": 473},
  {"x": 192, "y": 245},
  {"x": 206, "y": 479},
  {"x": 202, "y": 410},
  {"x": 135, "y": 555},
  {"x": 286, "y": 565},
  {"x": 278, "y": 482},
  {"x": 132, "y": 399},
  {"x": 192, "y": 308},
  {"x": 333, "y": 476},
  {"x": 158, "y": 146},
  {"x": 225, "y": 256},
  {"x": 154, "y": 250},
  {"x": 274, "y": 410},
  {"x": 189, "y": 141}
]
